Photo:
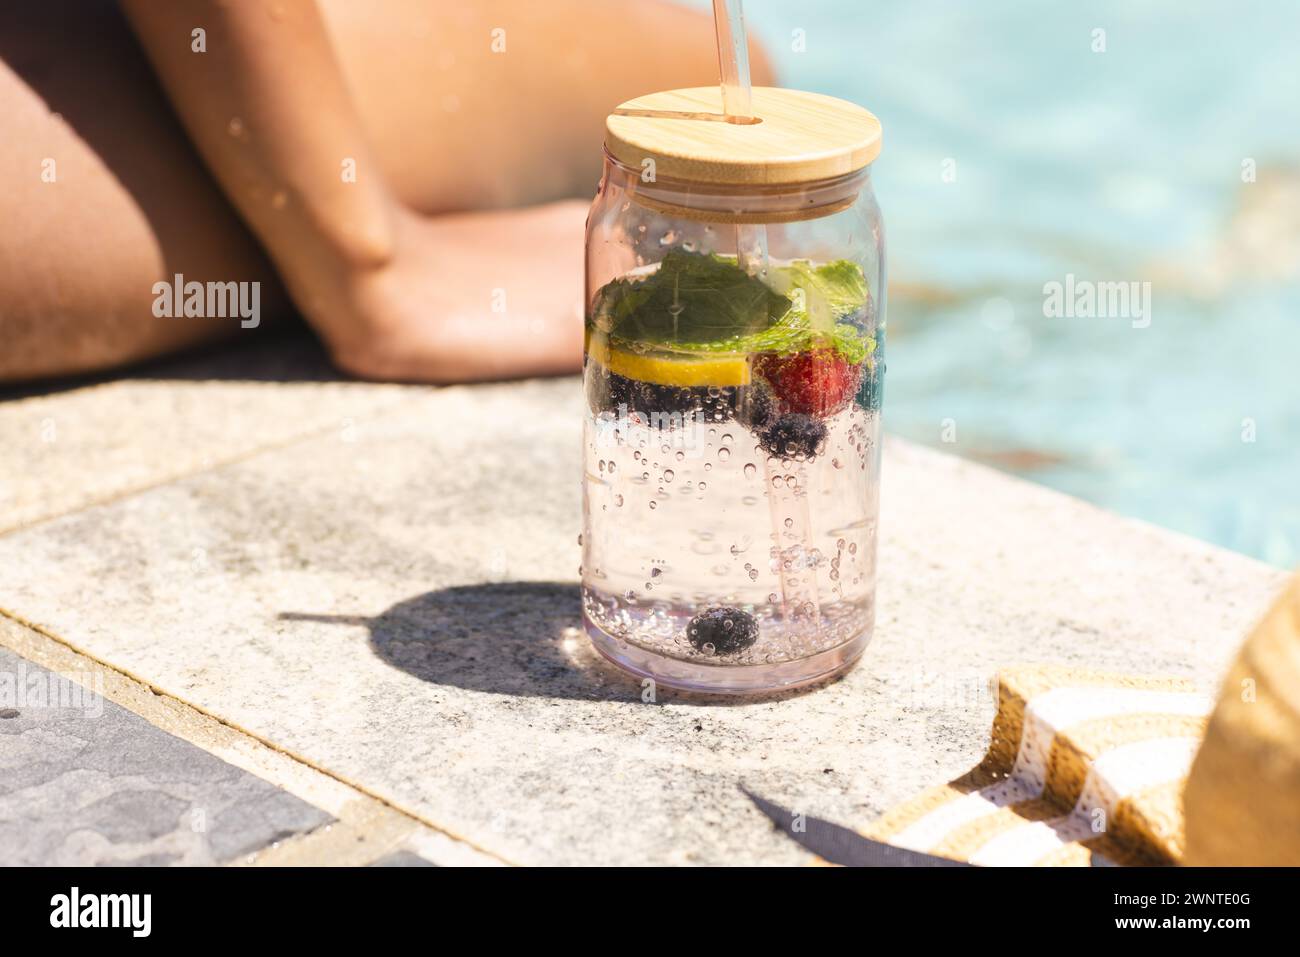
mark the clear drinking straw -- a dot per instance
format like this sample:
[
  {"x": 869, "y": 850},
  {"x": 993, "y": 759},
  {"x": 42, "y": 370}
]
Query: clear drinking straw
[
  {"x": 733, "y": 69},
  {"x": 733, "y": 57},
  {"x": 787, "y": 489}
]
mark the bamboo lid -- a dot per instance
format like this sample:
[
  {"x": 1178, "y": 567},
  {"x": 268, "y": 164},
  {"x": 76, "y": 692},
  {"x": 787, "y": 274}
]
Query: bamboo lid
[{"x": 798, "y": 137}]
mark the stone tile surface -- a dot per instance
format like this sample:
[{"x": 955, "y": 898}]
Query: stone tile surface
[
  {"x": 402, "y": 609},
  {"x": 70, "y": 448},
  {"x": 402, "y": 859},
  {"x": 85, "y": 781}
]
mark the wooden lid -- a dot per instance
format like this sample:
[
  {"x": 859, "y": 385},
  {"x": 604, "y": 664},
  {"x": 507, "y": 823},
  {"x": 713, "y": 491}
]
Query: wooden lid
[{"x": 799, "y": 137}]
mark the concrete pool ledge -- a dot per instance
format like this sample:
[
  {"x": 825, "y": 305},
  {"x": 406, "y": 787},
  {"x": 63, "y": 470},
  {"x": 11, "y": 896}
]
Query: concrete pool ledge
[{"x": 393, "y": 605}]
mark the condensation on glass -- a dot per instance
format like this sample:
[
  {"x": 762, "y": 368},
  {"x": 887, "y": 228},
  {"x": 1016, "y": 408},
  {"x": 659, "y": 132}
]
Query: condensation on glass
[{"x": 732, "y": 375}]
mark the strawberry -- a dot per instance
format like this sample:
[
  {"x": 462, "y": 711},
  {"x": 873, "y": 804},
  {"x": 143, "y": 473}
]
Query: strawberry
[{"x": 820, "y": 382}]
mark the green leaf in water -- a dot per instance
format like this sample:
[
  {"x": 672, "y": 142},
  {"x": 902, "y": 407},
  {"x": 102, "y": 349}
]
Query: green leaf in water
[{"x": 706, "y": 303}]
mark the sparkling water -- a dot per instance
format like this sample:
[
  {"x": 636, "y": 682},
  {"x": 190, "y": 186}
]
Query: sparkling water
[{"x": 687, "y": 512}]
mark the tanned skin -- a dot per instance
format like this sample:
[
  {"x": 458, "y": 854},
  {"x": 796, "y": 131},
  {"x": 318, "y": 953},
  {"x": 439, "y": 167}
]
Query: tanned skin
[{"x": 473, "y": 166}]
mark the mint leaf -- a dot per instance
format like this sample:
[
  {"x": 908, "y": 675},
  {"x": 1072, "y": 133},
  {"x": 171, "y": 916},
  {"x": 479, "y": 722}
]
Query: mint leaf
[
  {"x": 827, "y": 293},
  {"x": 699, "y": 303},
  {"x": 690, "y": 300}
]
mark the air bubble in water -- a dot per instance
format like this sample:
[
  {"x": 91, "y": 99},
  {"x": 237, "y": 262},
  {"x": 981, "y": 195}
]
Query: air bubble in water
[{"x": 750, "y": 470}]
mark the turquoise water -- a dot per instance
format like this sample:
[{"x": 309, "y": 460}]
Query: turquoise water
[{"x": 1123, "y": 165}]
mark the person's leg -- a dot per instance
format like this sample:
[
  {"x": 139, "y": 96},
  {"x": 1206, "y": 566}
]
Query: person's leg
[
  {"x": 502, "y": 102},
  {"x": 456, "y": 126},
  {"x": 103, "y": 197}
]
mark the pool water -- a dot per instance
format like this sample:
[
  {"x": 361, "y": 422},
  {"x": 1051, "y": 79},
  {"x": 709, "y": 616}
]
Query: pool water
[{"x": 1017, "y": 153}]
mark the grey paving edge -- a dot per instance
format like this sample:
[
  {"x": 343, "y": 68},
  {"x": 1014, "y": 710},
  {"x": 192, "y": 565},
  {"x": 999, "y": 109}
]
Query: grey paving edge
[{"x": 84, "y": 781}]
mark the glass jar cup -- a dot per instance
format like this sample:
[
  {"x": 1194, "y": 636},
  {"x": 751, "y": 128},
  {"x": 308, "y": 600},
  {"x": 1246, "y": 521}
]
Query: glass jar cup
[{"x": 735, "y": 281}]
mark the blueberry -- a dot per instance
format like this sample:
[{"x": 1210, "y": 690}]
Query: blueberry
[
  {"x": 728, "y": 630},
  {"x": 756, "y": 406},
  {"x": 662, "y": 406},
  {"x": 794, "y": 436}
]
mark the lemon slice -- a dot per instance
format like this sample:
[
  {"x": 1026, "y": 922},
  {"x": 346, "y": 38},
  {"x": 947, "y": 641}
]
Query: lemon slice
[{"x": 682, "y": 371}]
